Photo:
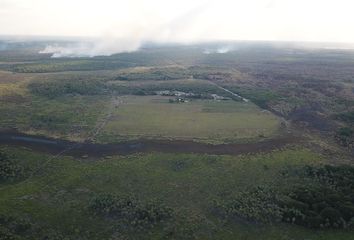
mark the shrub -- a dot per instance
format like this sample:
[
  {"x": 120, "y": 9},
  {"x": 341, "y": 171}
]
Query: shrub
[
  {"x": 259, "y": 205},
  {"x": 345, "y": 136},
  {"x": 326, "y": 201},
  {"x": 347, "y": 117},
  {"x": 129, "y": 210},
  {"x": 187, "y": 227},
  {"x": 56, "y": 88},
  {"x": 16, "y": 228},
  {"x": 9, "y": 169},
  {"x": 12, "y": 228}
]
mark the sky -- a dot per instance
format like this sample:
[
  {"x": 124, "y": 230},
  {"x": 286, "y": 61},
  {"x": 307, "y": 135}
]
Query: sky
[{"x": 135, "y": 21}]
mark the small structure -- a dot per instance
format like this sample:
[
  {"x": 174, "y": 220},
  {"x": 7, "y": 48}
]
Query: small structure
[
  {"x": 219, "y": 98},
  {"x": 178, "y": 100}
]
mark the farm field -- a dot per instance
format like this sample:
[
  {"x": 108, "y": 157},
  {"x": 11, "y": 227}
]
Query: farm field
[{"x": 200, "y": 120}]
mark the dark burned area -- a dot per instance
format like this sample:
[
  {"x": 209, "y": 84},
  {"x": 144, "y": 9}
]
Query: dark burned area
[{"x": 93, "y": 150}]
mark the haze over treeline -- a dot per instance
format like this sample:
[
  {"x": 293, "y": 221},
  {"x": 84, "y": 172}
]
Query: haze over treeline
[{"x": 119, "y": 26}]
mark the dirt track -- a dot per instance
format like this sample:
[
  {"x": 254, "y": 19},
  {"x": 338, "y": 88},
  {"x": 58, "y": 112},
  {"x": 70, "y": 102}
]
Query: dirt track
[{"x": 92, "y": 150}]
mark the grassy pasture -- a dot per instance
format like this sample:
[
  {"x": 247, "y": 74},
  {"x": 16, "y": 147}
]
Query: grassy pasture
[
  {"x": 200, "y": 120},
  {"x": 69, "y": 116}
]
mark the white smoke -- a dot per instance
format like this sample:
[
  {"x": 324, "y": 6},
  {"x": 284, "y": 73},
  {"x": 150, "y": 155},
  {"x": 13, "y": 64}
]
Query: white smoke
[
  {"x": 220, "y": 49},
  {"x": 207, "y": 20},
  {"x": 130, "y": 34},
  {"x": 101, "y": 47},
  {"x": 135, "y": 21}
]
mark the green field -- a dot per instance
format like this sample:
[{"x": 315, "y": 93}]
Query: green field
[
  {"x": 57, "y": 196},
  {"x": 71, "y": 117},
  {"x": 200, "y": 120}
]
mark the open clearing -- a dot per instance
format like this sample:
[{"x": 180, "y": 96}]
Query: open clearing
[{"x": 199, "y": 120}]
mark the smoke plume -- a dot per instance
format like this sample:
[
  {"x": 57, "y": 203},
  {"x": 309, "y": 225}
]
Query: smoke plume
[{"x": 101, "y": 47}]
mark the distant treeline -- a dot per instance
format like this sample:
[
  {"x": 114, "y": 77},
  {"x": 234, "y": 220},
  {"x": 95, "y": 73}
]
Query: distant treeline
[
  {"x": 70, "y": 65},
  {"x": 58, "y": 88},
  {"x": 95, "y": 86},
  {"x": 155, "y": 74}
]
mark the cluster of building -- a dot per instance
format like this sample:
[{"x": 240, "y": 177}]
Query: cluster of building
[{"x": 182, "y": 97}]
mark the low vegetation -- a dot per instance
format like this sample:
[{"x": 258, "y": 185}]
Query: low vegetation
[
  {"x": 345, "y": 136},
  {"x": 56, "y": 88},
  {"x": 325, "y": 200},
  {"x": 156, "y": 74},
  {"x": 70, "y": 117},
  {"x": 263, "y": 98},
  {"x": 130, "y": 212},
  {"x": 347, "y": 117},
  {"x": 257, "y": 205},
  {"x": 48, "y": 66},
  {"x": 199, "y": 196},
  {"x": 10, "y": 170}
]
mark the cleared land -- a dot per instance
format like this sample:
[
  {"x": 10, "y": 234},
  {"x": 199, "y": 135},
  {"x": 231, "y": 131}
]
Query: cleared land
[{"x": 201, "y": 120}]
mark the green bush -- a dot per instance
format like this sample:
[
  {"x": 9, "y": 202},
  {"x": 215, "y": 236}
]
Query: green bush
[
  {"x": 345, "y": 136},
  {"x": 16, "y": 228},
  {"x": 58, "y": 88},
  {"x": 62, "y": 65},
  {"x": 347, "y": 117},
  {"x": 13, "y": 228},
  {"x": 9, "y": 169},
  {"x": 187, "y": 227},
  {"x": 324, "y": 200},
  {"x": 5, "y": 234},
  {"x": 260, "y": 97},
  {"x": 259, "y": 205},
  {"x": 346, "y": 132},
  {"x": 332, "y": 217},
  {"x": 155, "y": 74},
  {"x": 129, "y": 210}
]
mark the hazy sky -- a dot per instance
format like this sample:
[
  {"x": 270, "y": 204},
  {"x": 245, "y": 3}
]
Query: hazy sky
[{"x": 182, "y": 20}]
